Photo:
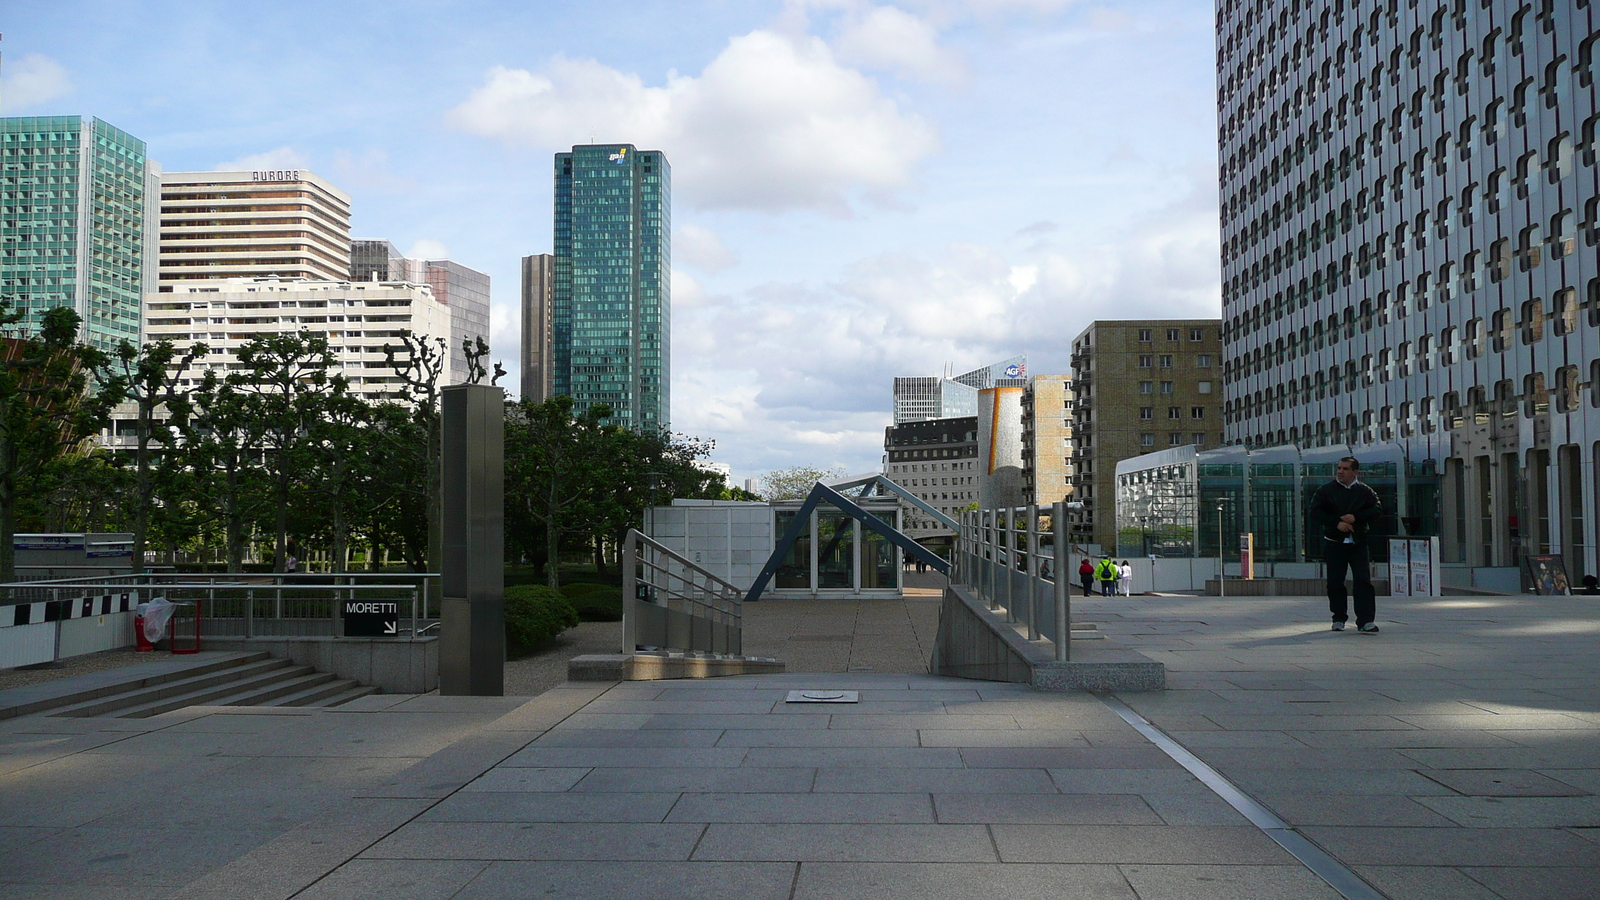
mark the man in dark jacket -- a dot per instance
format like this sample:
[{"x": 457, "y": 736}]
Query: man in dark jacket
[{"x": 1343, "y": 509}]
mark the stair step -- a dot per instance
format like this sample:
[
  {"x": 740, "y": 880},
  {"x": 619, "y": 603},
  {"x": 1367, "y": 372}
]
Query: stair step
[
  {"x": 212, "y": 693},
  {"x": 139, "y": 695},
  {"x": 273, "y": 694},
  {"x": 318, "y": 695},
  {"x": 354, "y": 693},
  {"x": 111, "y": 682}
]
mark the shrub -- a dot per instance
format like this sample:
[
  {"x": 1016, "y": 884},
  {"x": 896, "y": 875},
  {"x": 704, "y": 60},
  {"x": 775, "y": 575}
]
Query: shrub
[
  {"x": 595, "y": 602},
  {"x": 535, "y": 614}
]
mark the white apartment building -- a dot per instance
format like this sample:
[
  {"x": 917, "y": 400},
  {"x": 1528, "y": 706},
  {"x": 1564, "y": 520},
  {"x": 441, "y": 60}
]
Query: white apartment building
[
  {"x": 287, "y": 223},
  {"x": 358, "y": 320}
]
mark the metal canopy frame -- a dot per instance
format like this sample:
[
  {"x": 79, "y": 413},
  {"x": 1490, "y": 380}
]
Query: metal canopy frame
[
  {"x": 870, "y": 483},
  {"x": 802, "y": 523}
]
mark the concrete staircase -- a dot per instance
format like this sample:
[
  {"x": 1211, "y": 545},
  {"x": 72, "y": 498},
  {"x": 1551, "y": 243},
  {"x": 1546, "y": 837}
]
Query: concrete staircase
[{"x": 216, "y": 679}]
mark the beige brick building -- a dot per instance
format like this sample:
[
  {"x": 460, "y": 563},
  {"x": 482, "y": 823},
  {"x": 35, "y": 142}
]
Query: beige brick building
[
  {"x": 1047, "y": 420},
  {"x": 1140, "y": 386}
]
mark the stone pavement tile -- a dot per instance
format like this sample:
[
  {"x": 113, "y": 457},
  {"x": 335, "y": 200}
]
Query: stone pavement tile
[
  {"x": 663, "y": 757},
  {"x": 611, "y": 737},
  {"x": 526, "y": 780},
  {"x": 1518, "y": 812},
  {"x": 395, "y": 879},
  {"x": 1508, "y": 757},
  {"x": 533, "y": 806},
  {"x": 1455, "y": 846},
  {"x": 648, "y": 780},
  {"x": 1348, "y": 809},
  {"x": 513, "y": 840},
  {"x": 484, "y": 708},
  {"x": 15, "y": 836},
  {"x": 77, "y": 790},
  {"x": 1193, "y": 807},
  {"x": 1124, "y": 781},
  {"x": 1588, "y": 834},
  {"x": 968, "y": 737},
  {"x": 178, "y": 743},
  {"x": 932, "y": 781},
  {"x": 368, "y": 735},
  {"x": 585, "y": 722},
  {"x": 1044, "y": 809},
  {"x": 929, "y": 693},
  {"x": 1537, "y": 883},
  {"x": 1170, "y": 722},
  {"x": 1500, "y": 783},
  {"x": 1148, "y": 844},
  {"x": 608, "y": 707},
  {"x": 324, "y": 773},
  {"x": 453, "y": 766},
  {"x": 935, "y": 721},
  {"x": 883, "y": 757},
  {"x": 884, "y": 708},
  {"x": 1197, "y": 740},
  {"x": 1361, "y": 759},
  {"x": 1335, "y": 781},
  {"x": 952, "y": 881},
  {"x": 717, "y": 689},
  {"x": 701, "y": 723},
  {"x": 815, "y": 737},
  {"x": 117, "y": 855},
  {"x": 1308, "y": 722},
  {"x": 84, "y": 891},
  {"x": 1492, "y": 722},
  {"x": 372, "y": 703},
  {"x": 1424, "y": 882},
  {"x": 1586, "y": 780},
  {"x": 1124, "y": 737},
  {"x": 1226, "y": 882},
  {"x": 846, "y": 843},
  {"x": 608, "y": 880},
  {"x": 1400, "y": 739},
  {"x": 846, "y": 809},
  {"x": 1065, "y": 758}
]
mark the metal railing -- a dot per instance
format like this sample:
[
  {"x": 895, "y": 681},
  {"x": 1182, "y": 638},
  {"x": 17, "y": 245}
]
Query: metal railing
[
  {"x": 1002, "y": 554},
  {"x": 672, "y": 604}
]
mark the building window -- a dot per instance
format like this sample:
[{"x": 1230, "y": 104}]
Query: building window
[
  {"x": 1199, "y": 439},
  {"x": 1175, "y": 439},
  {"x": 1203, "y": 361},
  {"x": 1147, "y": 387},
  {"x": 1197, "y": 334},
  {"x": 1145, "y": 361},
  {"x": 1197, "y": 412},
  {"x": 1174, "y": 412},
  {"x": 1204, "y": 387},
  {"x": 1147, "y": 412},
  {"x": 1147, "y": 439},
  {"x": 1173, "y": 334},
  {"x": 1144, "y": 335},
  {"x": 1166, "y": 387},
  {"x": 1166, "y": 360}
]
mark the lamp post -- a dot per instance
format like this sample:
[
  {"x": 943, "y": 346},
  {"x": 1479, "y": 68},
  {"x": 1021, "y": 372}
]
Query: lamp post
[{"x": 1222, "y": 582}]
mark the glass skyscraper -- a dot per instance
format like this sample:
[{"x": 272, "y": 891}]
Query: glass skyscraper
[
  {"x": 76, "y": 224},
  {"x": 611, "y": 298}
]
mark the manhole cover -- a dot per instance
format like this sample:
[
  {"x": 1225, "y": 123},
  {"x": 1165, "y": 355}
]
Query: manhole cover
[{"x": 823, "y": 697}]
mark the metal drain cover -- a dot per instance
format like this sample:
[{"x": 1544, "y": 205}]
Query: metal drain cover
[{"x": 823, "y": 697}]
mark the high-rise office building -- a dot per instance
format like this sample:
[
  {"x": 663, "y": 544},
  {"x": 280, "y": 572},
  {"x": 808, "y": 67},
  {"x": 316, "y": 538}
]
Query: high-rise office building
[
  {"x": 76, "y": 213},
  {"x": 286, "y": 223},
  {"x": 1409, "y": 220},
  {"x": 921, "y": 397},
  {"x": 1140, "y": 385},
  {"x": 937, "y": 461},
  {"x": 375, "y": 260},
  {"x": 611, "y": 300},
  {"x": 1047, "y": 416},
  {"x": 464, "y": 291},
  {"x": 538, "y": 280}
]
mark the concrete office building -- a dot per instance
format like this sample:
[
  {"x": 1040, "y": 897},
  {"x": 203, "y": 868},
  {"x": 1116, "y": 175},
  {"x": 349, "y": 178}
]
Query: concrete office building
[
  {"x": 358, "y": 320},
  {"x": 611, "y": 297},
  {"x": 937, "y": 461},
  {"x": 283, "y": 223},
  {"x": 538, "y": 279},
  {"x": 1139, "y": 385},
  {"x": 1047, "y": 417},
  {"x": 1409, "y": 220},
  {"x": 464, "y": 291},
  {"x": 77, "y": 214},
  {"x": 375, "y": 260}
]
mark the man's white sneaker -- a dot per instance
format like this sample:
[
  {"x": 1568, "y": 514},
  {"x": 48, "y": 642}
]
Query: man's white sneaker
[{"x": 1338, "y": 624}]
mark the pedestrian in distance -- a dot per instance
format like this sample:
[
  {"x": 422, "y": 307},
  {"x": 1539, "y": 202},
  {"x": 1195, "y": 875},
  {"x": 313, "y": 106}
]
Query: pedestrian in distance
[
  {"x": 1125, "y": 578},
  {"x": 1343, "y": 510},
  {"x": 1106, "y": 571},
  {"x": 1086, "y": 575}
]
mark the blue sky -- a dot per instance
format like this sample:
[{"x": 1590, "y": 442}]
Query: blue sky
[{"x": 861, "y": 190}]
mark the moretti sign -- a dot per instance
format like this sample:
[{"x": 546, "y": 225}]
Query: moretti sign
[{"x": 371, "y": 618}]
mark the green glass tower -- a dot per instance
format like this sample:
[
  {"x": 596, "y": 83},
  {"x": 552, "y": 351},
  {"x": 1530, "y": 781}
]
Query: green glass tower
[
  {"x": 76, "y": 226},
  {"x": 611, "y": 297}
]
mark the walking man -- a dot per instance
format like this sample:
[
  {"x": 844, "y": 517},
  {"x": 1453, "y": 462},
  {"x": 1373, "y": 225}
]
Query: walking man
[
  {"x": 1106, "y": 571},
  {"x": 1343, "y": 509},
  {"x": 1086, "y": 575}
]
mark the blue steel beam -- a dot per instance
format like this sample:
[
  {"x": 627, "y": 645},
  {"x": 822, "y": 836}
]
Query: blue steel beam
[
  {"x": 883, "y": 481},
  {"x": 802, "y": 523}
]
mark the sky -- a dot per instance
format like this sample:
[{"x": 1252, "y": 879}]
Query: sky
[{"x": 859, "y": 190}]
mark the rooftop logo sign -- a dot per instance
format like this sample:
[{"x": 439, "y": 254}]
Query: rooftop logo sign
[
  {"x": 276, "y": 175},
  {"x": 1016, "y": 371},
  {"x": 619, "y": 156}
]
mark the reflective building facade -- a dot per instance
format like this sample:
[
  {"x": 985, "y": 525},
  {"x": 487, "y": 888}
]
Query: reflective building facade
[
  {"x": 611, "y": 297},
  {"x": 1410, "y": 217}
]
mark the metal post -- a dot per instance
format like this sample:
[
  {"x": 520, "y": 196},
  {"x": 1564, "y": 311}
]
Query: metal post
[
  {"x": 413, "y": 613},
  {"x": 55, "y": 595},
  {"x": 1033, "y": 572},
  {"x": 1006, "y": 549},
  {"x": 630, "y": 594},
  {"x": 1222, "y": 582},
  {"x": 1063, "y": 598}
]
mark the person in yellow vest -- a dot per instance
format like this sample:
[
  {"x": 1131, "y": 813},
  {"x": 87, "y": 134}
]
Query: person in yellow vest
[{"x": 1106, "y": 572}]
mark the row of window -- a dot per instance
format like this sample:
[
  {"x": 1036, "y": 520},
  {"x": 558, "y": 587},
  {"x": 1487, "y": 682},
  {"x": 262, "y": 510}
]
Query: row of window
[
  {"x": 1173, "y": 412},
  {"x": 1168, "y": 387},
  {"x": 1174, "y": 439},
  {"x": 1146, "y": 335},
  {"x": 1165, "y": 360}
]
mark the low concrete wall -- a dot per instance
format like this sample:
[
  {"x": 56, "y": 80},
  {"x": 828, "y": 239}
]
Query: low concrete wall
[
  {"x": 975, "y": 643},
  {"x": 393, "y": 666}
]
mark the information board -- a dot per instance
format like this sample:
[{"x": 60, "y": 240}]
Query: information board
[{"x": 371, "y": 618}]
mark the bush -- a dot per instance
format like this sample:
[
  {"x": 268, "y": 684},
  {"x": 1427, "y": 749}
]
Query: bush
[
  {"x": 595, "y": 602},
  {"x": 534, "y": 615}
]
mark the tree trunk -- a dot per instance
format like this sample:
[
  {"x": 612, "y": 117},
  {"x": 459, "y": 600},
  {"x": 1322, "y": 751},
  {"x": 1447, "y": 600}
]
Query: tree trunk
[
  {"x": 281, "y": 523},
  {"x": 8, "y": 521},
  {"x": 599, "y": 556},
  {"x": 435, "y": 500},
  {"x": 552, "y": 541}
]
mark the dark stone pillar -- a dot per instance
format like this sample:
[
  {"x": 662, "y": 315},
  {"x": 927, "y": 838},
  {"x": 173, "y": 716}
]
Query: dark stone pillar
[{"x": 472, "y": 638}]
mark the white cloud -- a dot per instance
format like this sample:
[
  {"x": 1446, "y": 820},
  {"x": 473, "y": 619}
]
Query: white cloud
[
  {"x": 279, "y": 158},
  {"x": 700, "y": 247},
  {"x": 369, "y": 172},
  {"x": 32, "y": 80},
  {"x": 889, "y": 38},
  {"x": 427, "y": 248},
  {"x": 774, "y": 122}
]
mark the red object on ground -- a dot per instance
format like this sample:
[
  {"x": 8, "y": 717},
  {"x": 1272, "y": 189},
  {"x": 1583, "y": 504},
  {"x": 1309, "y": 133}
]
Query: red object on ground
[{"x": 141, "y": 644}]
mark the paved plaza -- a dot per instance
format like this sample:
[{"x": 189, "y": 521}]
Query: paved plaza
[{"x": 1456, "y": 755}]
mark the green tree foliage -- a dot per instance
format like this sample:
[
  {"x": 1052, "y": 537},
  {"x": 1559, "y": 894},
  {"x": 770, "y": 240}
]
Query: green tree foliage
[
  {"x": 794, "y": 483},
  {"x": 419, "y": 361},
  {"x": 54, "y": 393},
  {"x": 149, "y": 374}
]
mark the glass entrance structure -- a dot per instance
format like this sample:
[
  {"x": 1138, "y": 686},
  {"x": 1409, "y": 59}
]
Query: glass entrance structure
[{"x": 836, "y": 556}]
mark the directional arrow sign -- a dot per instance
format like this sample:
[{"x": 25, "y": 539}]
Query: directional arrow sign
[{"x": 371, "y": 618}]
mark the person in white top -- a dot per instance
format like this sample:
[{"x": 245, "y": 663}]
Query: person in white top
[{"x": 1125, "y": 578}]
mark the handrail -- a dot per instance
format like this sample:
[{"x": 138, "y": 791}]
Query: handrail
[{"x": 712, "y": 617}]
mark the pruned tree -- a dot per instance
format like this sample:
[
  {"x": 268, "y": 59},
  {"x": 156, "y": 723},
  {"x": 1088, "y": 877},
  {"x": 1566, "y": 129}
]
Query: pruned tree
[
  {"x": 220, "y": 434},
  {"x": 553, "y": 463},
  {"x": 420, "y": 363},
  {"x": 151, "y": 376}
]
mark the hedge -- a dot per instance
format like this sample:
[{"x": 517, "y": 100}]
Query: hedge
[
  {"x": 534, "y": 615},
  {"x": 595, "y": 602}
]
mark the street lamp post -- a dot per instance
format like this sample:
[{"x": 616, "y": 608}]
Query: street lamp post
[{"x": 1222, "y": 582}]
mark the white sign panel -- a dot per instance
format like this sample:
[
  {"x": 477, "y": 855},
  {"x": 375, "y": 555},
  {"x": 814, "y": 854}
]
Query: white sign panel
[
  {"x": 1424, "y": 568},
  {"x": 1399, "y": 567}
]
